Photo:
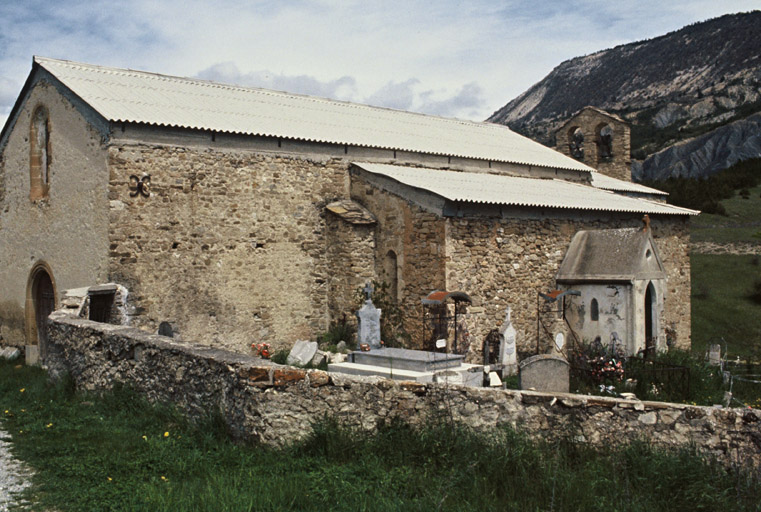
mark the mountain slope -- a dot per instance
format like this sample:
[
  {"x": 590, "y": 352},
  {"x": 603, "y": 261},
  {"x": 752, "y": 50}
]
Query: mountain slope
[{"x": 673, "y": 87}]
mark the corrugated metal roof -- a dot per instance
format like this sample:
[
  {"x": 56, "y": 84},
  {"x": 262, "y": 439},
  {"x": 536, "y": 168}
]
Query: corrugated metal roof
[
  {"x": 602, "y": 181},
  {"x": 121, "y": 95},
  {"x": 512, "y": 190}
]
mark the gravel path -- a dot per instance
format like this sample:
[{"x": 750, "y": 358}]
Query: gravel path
[{"x": 14, "y": 476}]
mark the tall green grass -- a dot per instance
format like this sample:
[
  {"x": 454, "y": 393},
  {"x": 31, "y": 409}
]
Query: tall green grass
[
  {"x": 113, "y": 451},
  {"x": 721, "y": 305}
]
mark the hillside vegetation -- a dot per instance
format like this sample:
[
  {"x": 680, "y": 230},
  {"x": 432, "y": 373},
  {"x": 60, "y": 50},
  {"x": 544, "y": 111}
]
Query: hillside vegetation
[{"x": 670, "y": 88}]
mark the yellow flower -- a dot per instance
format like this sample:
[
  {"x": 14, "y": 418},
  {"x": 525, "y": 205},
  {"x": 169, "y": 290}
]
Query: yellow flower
[
  {"x": 48, "y": 425},
  {"x": 7, "y": 411},
  {"x": 164, "y": 478},
  {"x": 22, "y": 390},
  {"x": 109, "y": 478},
  {"x": 145, "y": 438},
  {"x": 166, "y": 434}
]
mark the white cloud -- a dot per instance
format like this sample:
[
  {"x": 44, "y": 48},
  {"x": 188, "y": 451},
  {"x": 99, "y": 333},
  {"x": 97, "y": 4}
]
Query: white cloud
[{"x": 452, "y": 58}]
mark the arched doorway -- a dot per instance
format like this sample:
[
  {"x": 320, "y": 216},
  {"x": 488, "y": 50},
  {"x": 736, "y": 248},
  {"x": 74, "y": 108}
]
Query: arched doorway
[
  {"x": 40, "y": 302},
  {"x": 650, "y": 337}
]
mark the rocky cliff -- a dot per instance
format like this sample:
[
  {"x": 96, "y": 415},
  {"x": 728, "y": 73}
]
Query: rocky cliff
[
  {"x": 704, "y": 155},
  {"x": 672, "y": 88}
]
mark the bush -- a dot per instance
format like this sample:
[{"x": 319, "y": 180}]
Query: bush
[{"x": 338, "y": 331}]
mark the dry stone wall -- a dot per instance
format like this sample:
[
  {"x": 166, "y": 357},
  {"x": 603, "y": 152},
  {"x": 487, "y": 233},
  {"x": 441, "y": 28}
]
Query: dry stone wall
[
  {"x": 505, "y": 262},
  {"x": 275, "y": 404},
  {"x": 230, "y": 246}
]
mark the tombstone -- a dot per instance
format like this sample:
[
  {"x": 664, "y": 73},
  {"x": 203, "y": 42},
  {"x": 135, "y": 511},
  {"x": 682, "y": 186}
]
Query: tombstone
[
  {"x": 545, "y": 372},
  {"x": 302, "y": 353},
  {"x": 714, "y": 354},
  {"x": 369, "y": 323},
  {"x": 507, "y": 351}
]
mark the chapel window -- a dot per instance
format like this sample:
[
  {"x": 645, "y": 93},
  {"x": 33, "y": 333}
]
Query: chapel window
[
  {"x": 39, "y": 155},
  {"x": 594, "y": 311},
  {"x": 576, "y": 143},
  {"x": 605, "y": 142}
]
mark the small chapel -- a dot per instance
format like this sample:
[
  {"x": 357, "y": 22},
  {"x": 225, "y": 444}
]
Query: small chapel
[{"x": 239, "y": 215}]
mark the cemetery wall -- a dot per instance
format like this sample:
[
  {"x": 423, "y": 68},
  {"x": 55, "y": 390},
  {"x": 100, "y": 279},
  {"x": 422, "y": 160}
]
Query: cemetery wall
[
  {"x": 231, "y": 244},
  {"x": 504, "y": 262},
  {"x": 275, "y": 404}
]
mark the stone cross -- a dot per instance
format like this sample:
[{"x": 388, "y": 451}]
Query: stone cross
[{"x": 368, "y": 291}]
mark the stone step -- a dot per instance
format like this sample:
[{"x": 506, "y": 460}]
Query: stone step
[{"x": 404, "y": 359}]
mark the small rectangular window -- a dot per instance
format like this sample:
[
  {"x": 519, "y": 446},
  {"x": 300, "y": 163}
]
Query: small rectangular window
[{"x": 101, "y": 302}]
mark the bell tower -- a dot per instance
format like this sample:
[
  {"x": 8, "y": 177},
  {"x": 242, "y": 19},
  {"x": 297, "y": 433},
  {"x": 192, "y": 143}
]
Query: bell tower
[{"x": 600, "y": 140}]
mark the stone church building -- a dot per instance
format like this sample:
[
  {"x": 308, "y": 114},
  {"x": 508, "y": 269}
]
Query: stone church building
[{"x": 243, "y": 215}]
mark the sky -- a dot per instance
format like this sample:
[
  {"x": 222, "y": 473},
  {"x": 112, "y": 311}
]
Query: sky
[{"x": 463, "y": 59}]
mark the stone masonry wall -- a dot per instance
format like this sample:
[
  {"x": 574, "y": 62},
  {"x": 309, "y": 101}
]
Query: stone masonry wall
[
  {"x": 417, "y": 238},
  {"x": 276, "y": 404},
  {"x": 351, "y": 255},
  {"x": 505, "y": 262},
  {"x": 231, "y": 245}
]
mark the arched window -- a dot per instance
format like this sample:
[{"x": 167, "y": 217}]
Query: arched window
[
  {"x": 391, "y": 275},
  {"x": 576, "y": 143},
  {"x": 604, "y": 142},
  {"x": 594, "y": 311},
  {"x": 39, "y": 155}
]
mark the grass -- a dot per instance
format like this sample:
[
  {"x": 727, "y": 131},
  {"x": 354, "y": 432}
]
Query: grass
[
  {"x": 116, "y": 452},
  {"x": 742, "y": 224},
  {"x": 721, "y": 307}
]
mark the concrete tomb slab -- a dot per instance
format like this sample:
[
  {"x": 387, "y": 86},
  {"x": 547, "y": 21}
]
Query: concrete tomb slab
[{"x": 405, "y": 359}]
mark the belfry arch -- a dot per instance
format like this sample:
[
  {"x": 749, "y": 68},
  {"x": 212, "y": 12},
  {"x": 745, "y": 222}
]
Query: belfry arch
[{"x": 40, "y": 302}]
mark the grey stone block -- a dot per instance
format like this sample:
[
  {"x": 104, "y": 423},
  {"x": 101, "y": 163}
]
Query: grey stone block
[
  {"x": 545, "y": 372},
  {"x": 302, "y": 353}
]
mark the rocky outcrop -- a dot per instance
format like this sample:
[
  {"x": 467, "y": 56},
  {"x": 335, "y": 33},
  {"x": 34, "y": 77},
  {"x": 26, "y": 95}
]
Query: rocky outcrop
[{"x": 704, "y": 155}]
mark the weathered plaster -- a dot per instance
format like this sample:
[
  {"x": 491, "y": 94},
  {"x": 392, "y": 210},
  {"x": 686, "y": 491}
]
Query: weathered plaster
[{"x": 68, "y": 230}]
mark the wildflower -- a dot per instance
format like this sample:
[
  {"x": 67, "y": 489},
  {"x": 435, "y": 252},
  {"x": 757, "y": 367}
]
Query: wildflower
[
  {"x": 166, "y": 434},
  {"x": 48, "y": 425},
  {"x": 145, "y": 438},
  {"x": 164, "y": 478},
  {"x": 22, "y": 390},
  {"x": 7, "y": 411},
  {"x": 110, "y": 479}
]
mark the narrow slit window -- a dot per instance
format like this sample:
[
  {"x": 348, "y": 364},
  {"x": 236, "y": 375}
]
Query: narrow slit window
[
  {"x": 594, "y": 311},
  {"x": 39, "y": 155}
]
